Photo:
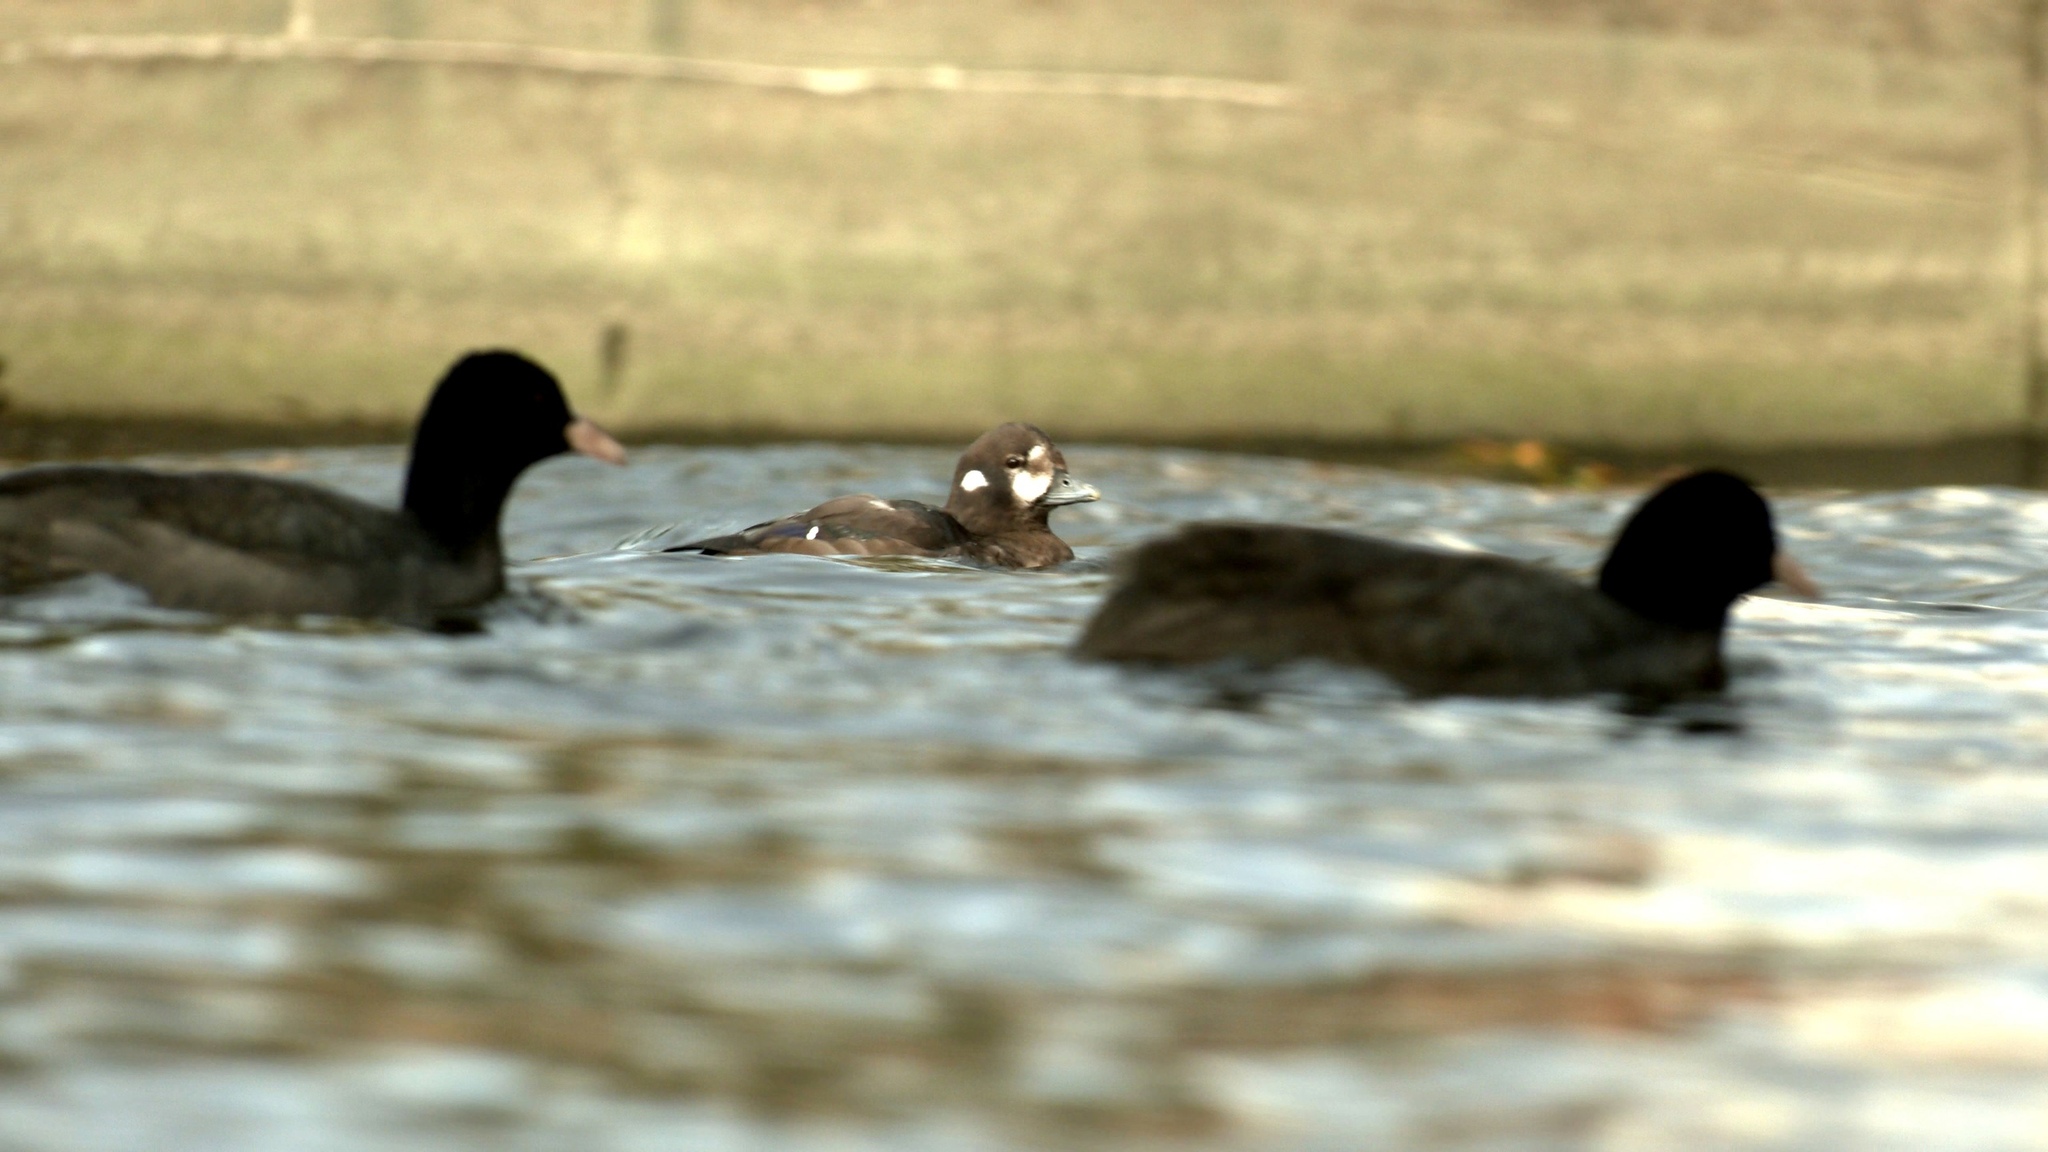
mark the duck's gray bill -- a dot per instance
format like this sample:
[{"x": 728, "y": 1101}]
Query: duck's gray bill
[
  {"x": 1785, "y": 570},
  {"x": 1065, "y": 490},
  {"x": 593, "y": 441}
]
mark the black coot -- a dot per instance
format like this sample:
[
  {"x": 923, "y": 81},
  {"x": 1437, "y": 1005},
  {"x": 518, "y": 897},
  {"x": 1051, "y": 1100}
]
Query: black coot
[
  {"x": 1005, "y": 487},
  {"x": 1441, "y": 623},
  {"x": 244, "y": 545}
]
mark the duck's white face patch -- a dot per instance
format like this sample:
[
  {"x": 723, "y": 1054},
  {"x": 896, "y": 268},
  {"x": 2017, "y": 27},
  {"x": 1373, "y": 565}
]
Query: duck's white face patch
[
  {"x": 974, "y": 481},
  {"x": 1037, "y": 451},
  {"x": 1027, "y": 487}
]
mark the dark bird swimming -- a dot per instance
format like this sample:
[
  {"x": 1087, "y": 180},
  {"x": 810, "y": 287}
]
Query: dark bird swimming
[
  {"x": 242, "y": 545},
  {"x": 1441, "y": 623},
  {"x": 1005, "y": 487}
]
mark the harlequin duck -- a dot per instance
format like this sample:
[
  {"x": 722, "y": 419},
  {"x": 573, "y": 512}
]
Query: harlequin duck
[
  {"x": 1004, "y": 487},
  {"x": 243, "y": 545},
  {"x": 1439, "y": 623}
]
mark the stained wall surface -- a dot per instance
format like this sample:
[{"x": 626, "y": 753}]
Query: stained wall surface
[{"x": 1638, "y": 222}]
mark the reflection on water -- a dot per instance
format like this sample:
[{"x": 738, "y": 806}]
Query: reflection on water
[{"x": 784, "y": 853}]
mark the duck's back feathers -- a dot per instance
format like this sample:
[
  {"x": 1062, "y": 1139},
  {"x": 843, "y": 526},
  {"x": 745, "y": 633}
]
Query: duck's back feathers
[
  {"x": 1435, "y": 622},
  {"x": 859, "y": 525}
]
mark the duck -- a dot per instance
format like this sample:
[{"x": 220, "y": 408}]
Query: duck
[
  {"x": 242, "y": 545},
  {"x": 1440, "y": 623},
  {"x": 1005, "y": 486}
]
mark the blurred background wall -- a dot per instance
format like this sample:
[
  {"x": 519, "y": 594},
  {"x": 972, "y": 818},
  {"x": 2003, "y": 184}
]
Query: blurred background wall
[{"x": 1626, "y": 222}]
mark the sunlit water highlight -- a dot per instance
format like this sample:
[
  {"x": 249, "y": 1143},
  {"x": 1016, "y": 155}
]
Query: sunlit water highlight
[{"x": 785, "y": 853}]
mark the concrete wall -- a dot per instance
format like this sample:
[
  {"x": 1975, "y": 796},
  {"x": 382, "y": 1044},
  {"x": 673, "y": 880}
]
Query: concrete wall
[{"x": 1632, "y": 222}]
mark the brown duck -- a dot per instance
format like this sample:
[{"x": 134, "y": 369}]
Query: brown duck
[{"x": 1005, "y": 486}]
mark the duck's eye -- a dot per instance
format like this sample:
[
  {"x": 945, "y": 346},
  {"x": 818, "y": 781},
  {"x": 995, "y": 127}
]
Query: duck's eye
[{"x": 1014, "y": 463}]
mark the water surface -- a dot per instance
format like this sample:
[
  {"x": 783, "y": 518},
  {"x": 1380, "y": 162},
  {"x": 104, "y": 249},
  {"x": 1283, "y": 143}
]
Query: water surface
[{"x": 788, "y": 853}]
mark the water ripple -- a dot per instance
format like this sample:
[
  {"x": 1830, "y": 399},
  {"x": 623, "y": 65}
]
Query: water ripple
[{"x": 803, "y": 853}]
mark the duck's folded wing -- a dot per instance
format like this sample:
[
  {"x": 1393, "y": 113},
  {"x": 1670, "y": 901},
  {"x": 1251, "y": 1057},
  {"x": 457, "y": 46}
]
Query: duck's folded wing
[{"x": 847, "y": 525}]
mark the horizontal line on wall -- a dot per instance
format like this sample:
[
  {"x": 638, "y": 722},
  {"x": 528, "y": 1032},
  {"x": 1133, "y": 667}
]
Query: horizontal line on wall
[{"x": 586, "y": 62}]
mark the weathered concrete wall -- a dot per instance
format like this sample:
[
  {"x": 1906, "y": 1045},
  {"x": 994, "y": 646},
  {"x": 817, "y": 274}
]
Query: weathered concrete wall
[{"x": 1636, "y": 223}]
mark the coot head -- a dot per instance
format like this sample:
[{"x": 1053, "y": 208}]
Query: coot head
[
  {"x": 1012, "y": 477},
  {"x": 493, "y": 415},
  {"x": 1693, "y": 548}
]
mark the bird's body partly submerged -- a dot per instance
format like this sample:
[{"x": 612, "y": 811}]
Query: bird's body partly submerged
[
  {"x": 864, "y": 525},
  {"x": 237, "y": 544},
  {"x": 1435, "y": 622},
  {"x": 1004, "y": 489},
  {"x": 233, "y": 544},
  {"x": 1442, "y": 623}
]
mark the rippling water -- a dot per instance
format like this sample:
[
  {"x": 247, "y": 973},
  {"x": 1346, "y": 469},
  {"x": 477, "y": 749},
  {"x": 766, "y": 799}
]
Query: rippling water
[{"x": 785, "y": 853}]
